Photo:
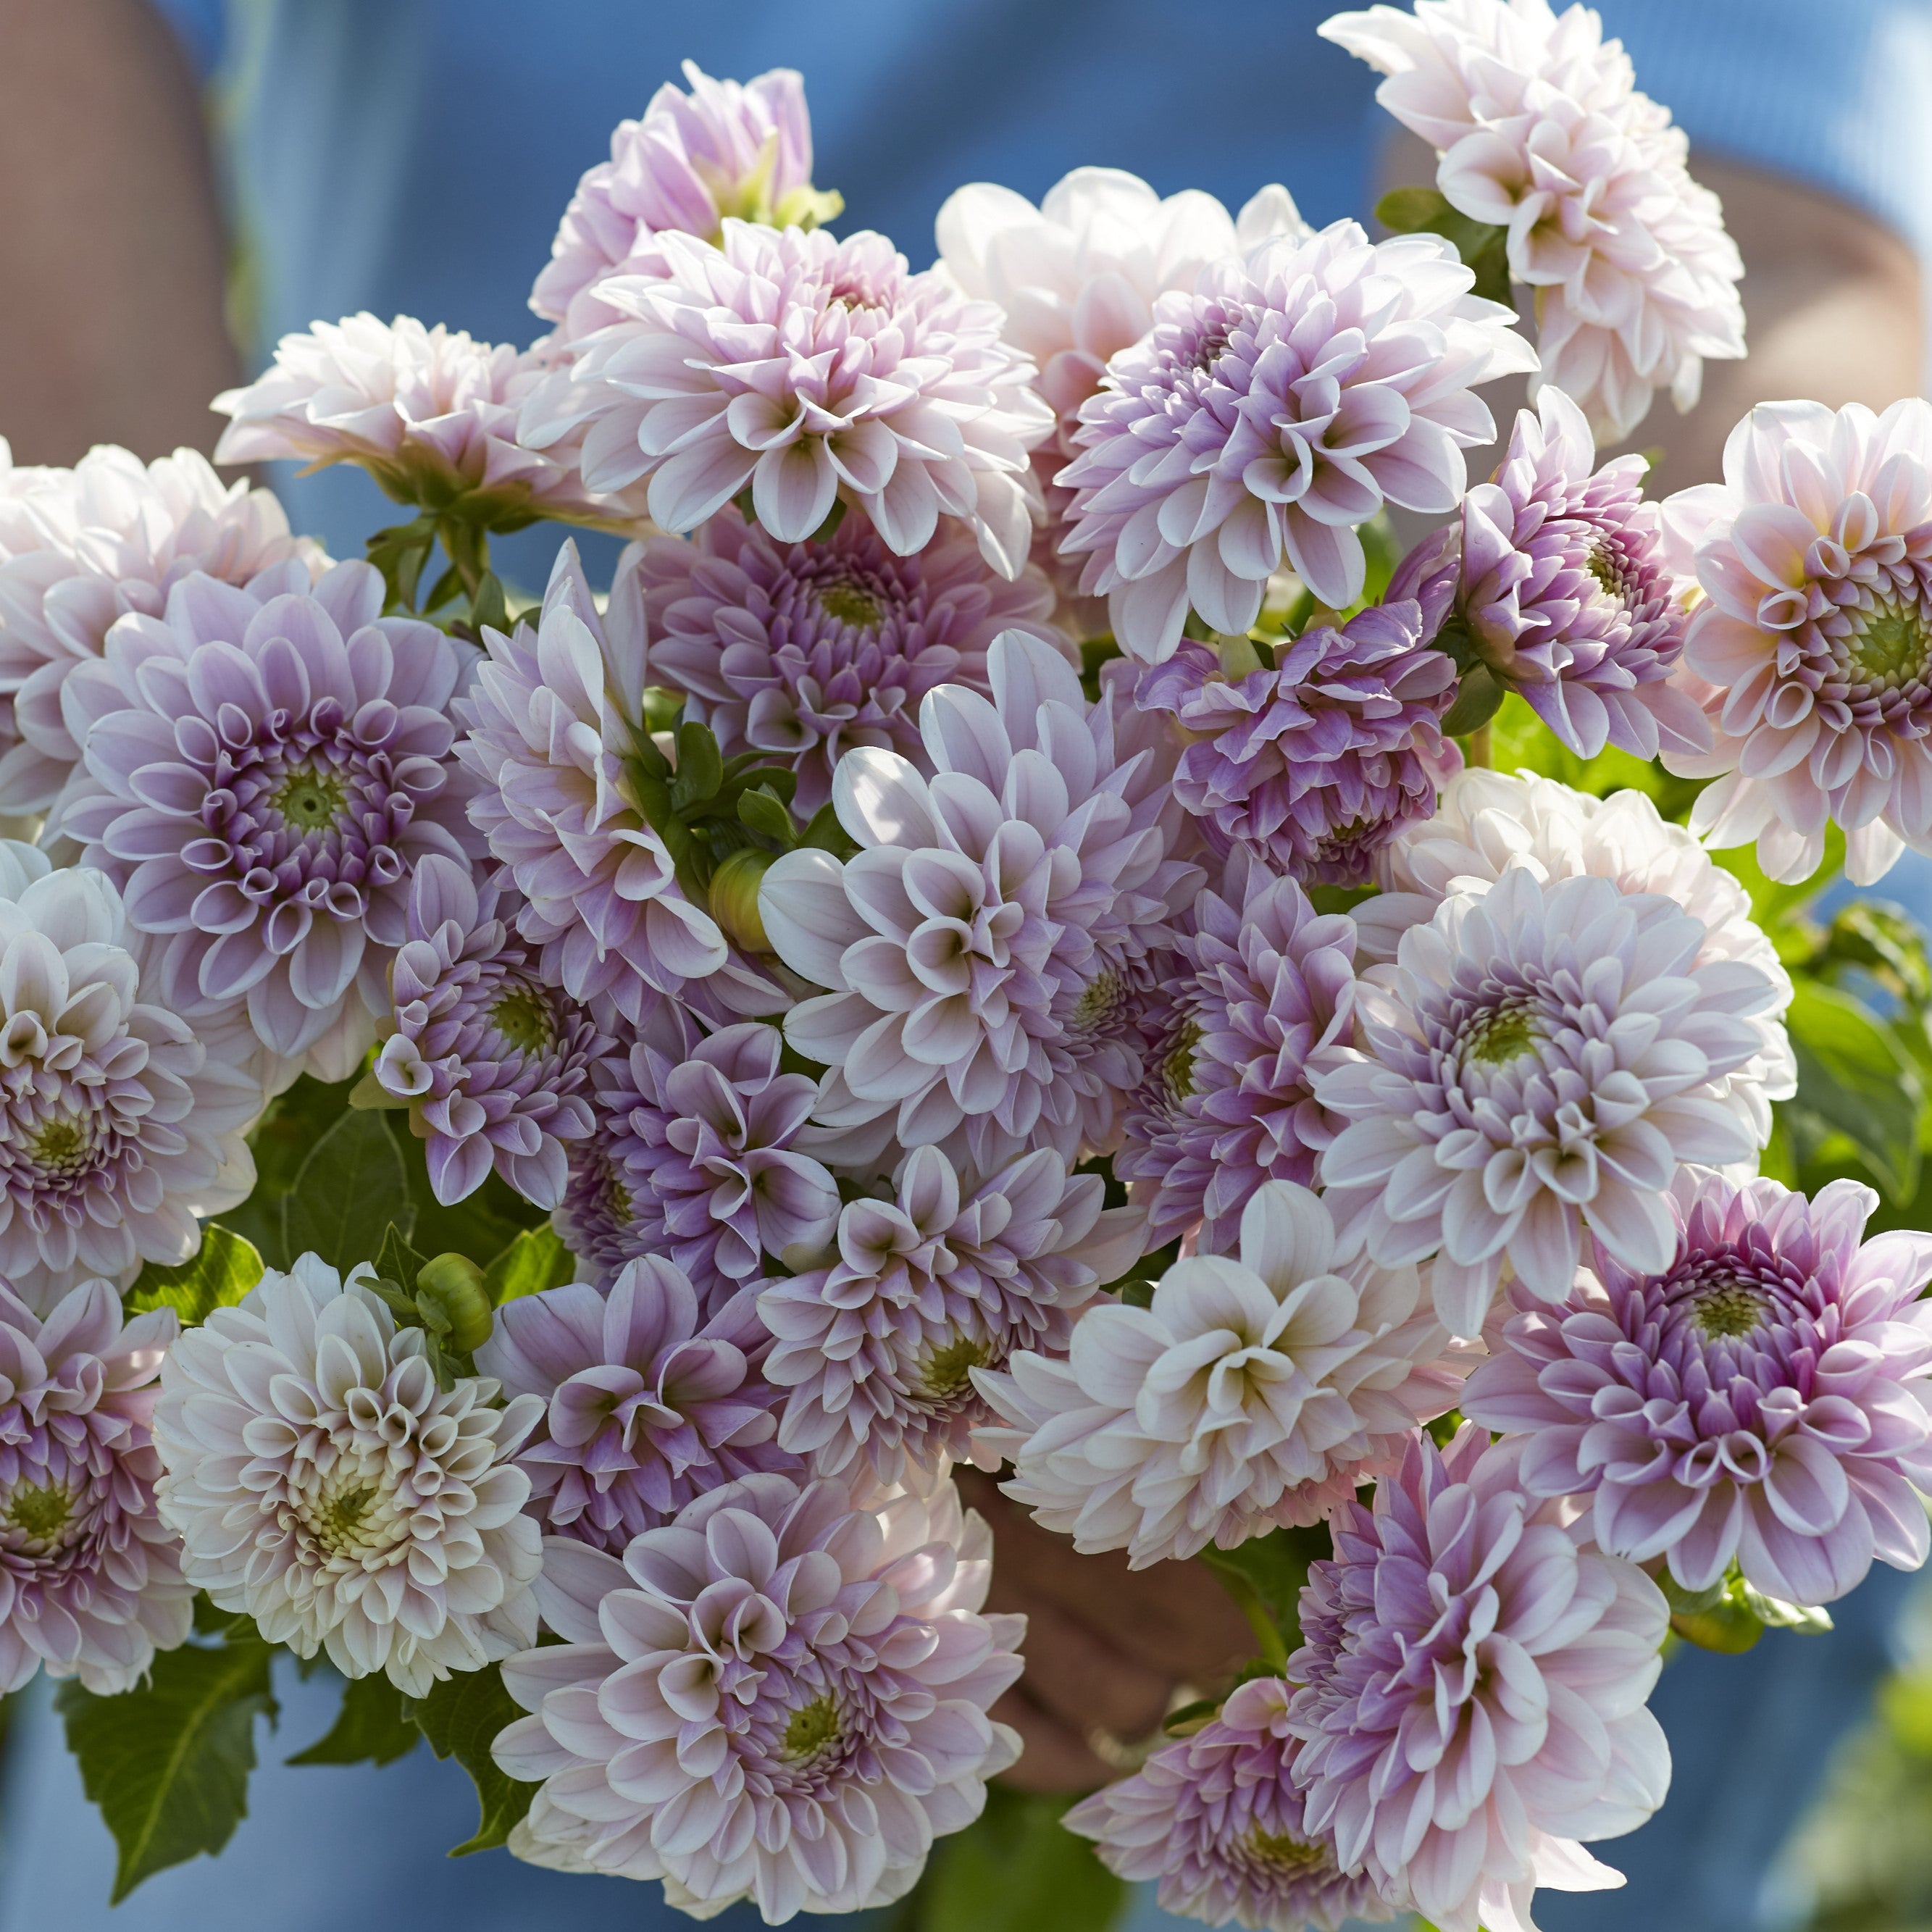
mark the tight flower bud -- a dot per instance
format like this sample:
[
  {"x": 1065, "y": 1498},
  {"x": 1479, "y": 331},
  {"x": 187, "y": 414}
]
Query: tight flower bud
[
  {"x": 450, "y": 1286},
  {"x": 734, "y": 898}
]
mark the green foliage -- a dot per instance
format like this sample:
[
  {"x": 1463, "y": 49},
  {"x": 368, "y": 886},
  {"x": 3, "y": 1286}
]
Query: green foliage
[
  {"x": 1730, "y": 1616},
  {"x": 224, "y": 1269},
  {"x": 1520, "y": 742},
  {"x": 1855, "y": 1086},
  {"x": 168, "y": 1762},
  {"x": 372, "y": 1727},
  {"x": 1413, "y": 210},
  {"x": 351, "y": 1186},
  {"x": 1264, "y": 1576},
  {"x": 282, "y": 1139},
  {"x": 460, "y": 1717},
  {"x": 537, "y": 1259}
]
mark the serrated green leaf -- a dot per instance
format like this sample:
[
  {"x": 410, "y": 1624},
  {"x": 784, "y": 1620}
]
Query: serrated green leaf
[
  {"x": 224, "y": 1269},
  {"x": 168, "y": 1762},
  {"x": 351, "y": 1186},
  {"x": 461, "y": 1717},
  {"x": 536, "y": 1260},
  {"x": 371, "y": 1727},
  {"x": 1854, "y": 1076},
  {"x": 1015, "y": 1868}
]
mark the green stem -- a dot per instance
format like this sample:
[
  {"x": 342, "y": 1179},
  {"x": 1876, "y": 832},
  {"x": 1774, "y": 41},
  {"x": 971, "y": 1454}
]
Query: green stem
[
  {"x": 1247, "y": 1601},
  {"x": 1480, "y": 753}
]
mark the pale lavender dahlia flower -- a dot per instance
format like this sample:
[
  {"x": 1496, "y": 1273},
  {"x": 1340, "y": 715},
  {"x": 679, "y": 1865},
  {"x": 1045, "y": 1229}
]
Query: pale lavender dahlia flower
[
  {"x": 110, "y": 535},
  {"x": 695, "y": 1156},
  {"x": 1472, "y": 1687},
  {"x": 1271, "y": 411},
  {"x": 1762, "y": 1399},
  {"x": 1314, "y": 764},
  {"x": 780, "y": 1696},
  {"x": 645, "y": 1406},
  {"x": 876, "y": 1346},
  {"x": 265, "y": 767},
  {"x": 120, "y": 1122},
  {"x": 1538, "y": 1063},
  {"x": 1257, "y": 1004},
  {"x": 722, "y": 150},
  {"x": 493, "y": 1062},
  {"x": 809, "y": 371},
  {"x": 323, "y": 1484},
  {"x": 1217, "y": 1819},
  {"x": 1811, "y": 648},
  {"x": 91, "y": 1585},
  {"x": 989, "y": 948},
  {"x": 552, "y": 721},
  {"x": 802, "y": 651},
  {"x": 1251, "y": 1393}
]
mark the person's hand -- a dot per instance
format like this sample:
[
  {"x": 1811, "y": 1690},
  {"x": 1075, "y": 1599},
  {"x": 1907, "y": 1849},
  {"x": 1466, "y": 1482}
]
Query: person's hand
[{"x": 1106, "y": 1647}]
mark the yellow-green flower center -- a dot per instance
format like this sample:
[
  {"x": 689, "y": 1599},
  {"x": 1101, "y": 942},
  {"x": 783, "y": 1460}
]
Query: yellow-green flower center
[
  {"x": 1889, "y": 646},
  {"x": 812, "y": 1728},
  {"x": 339, "y": 1522},
  {"x": 1496, "y": 1038},
  {"x": 1729, "y": 1309},
  {"x": 946, "y": 1374},
  {"x": 1177, "y": 1070},
  {"x": 1282, "y": 1851},
  {"x": 846, "y": 602},
  {"x": 42, "y": 1513},
  {"x": 522, "y": 1016},
  {"x": 309, "y": 799},
  {"x": 60, "y": 1144}
]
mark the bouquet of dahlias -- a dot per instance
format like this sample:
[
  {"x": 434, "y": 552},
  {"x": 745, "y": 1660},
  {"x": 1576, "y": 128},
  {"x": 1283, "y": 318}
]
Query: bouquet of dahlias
[{"x": 1020, "y": 927}]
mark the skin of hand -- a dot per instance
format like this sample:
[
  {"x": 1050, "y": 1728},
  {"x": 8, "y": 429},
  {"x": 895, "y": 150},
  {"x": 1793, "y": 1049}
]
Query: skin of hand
[
  {"x": 112, "y": 253},
  {"x": 1106, "y": 1647}
]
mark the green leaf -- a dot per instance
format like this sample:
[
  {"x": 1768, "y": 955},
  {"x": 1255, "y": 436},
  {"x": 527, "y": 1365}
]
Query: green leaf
[
  {"x": 1854, "y": 1076},
  {"x": 536, "y": 1260},
  {"x": 1409, "y": 211},
  {"x": 487, "y": 606},
  {"x": 168, "y": 1762},
  {"x": 396, "y": 1261},
  {"x": 352, "y": 1185},
  {"x": 1478, "y": 698},
  {"x": 700, "y": 766},
  {"x": 1264, "y": 1576},
  {"x": 284, "y": 1138},
  {"x": 1015, "y": 1868},
  {"x": 759, "y": 811},
  {"x": 372, "y": 1727},
  {"x": 824, "y": 831},
  {"x": 461, "y": 1717},
  {"x": 225, "y": 1267}
]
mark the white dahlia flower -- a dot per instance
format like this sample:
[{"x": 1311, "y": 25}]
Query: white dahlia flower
[
  {"x": 781, "y": 1696},
  {"x": 1271, "y": 410},
  {"x": 1251, "y": 1393},
  {"x": 992, "y": 945},
  {"x": 1487, "y": 821},
  {"x": 1542, "y": 132},
  {"x": 322, "y": 1484},
  {"x": 1539, "y": 1061},
  {"x": 83, "y": 547}
]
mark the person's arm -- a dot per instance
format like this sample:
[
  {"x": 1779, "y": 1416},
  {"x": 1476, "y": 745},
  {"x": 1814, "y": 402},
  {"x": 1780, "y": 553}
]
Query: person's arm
[{"x": 111, "y": 248}]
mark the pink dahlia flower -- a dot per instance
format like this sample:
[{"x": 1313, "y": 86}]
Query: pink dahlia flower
[
  {"x": 1763, "y": 1399},
  {"x": 694, "y": 1156},
  {"x": 876, "y": 1348},
  {"x": 1251, "y": 1393},
  {"x": 1259, "y": 1002},
  {"x": 809, "y": 371},
  {"x": 1538, "y": 1063},
  {"x": 991, "y": 946},
  {"x": 799, "y": 651},
  {"x": 493, "y": 1062},
  {"x": 645, "y": 1406},
  {"x": 1314, "y": 764},
  {"x": 1812, "y": 643},
  {"x": 551, "y": 722},
  {"x": 780, "y": 1696},
  {"x": 1542, "y": 132},
  {"x": 110, "y": 535},
  {"x": 1472, "y": 1686},
  {"x": 721, "y": 150},
  {"x": 1217, "y": 1819},
  {"x": 266, "y": 766},
  {"x": 1271, "y": 411},
  {"x": 91, "y": 1584}
]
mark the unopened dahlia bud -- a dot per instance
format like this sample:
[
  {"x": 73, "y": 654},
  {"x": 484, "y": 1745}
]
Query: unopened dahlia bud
[
  {"x": 734, "y": 898},
  {"x": 451, "y": 1286}
]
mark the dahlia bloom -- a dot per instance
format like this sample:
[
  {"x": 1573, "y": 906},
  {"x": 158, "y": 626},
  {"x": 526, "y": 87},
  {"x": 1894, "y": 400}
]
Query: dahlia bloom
[
  {"x": 876, "y": 1347},
  {"x": 722, "y": 150},
  {"x": 645, "y": 1406},
  {"x": 550, "y": 722},
  {"x": 810, "y": 371},
  {"x": 988, "y": 948},
  {"x": 1812, "y": 644},
  {"x": 493, "y": 1062},
  {"x": 1269, "y": 412},
  {"x": 1487, "y": 821},
  {"x": 801, "y": 651},
  {"x": 1315, "y": 764},
  {"x": 119, "y": 1122},
  {"x": 781, "y": 1696},
  {"x": 1539, "y": 1061},
  {"x": 1217, "y": 1819},
  {"x": 1542, "y": 132},
  {"x": 1565, "y": 595},
  {"x": 1252, "y": 1393},
  {"x": 430, "y": 415},
  {"x": 695, "y": 1156},
  {"x": 1472, "y": 1692},
  {"x": 91, "y": 1584},
  {"x": 1763, "y": 1398},
  {"x": 323, "y": 1485},
  {"x": 265, "y": 767},
  {"x": 110, "y": 535},
  {"x": 1259, "y": 1001}
]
